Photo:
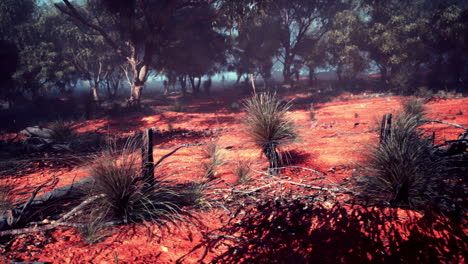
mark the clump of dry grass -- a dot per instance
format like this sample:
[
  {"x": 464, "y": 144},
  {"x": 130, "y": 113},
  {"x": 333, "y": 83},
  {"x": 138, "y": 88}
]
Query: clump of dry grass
[
  {"x": 405, "y": 169},
  {"x": 243, "y": 171},
  {"x": 117, "y": 175},
  {"x": 61, "y": 131},
  {"x": 268, "y": 126},
  {"x": 214, "y": 159}
]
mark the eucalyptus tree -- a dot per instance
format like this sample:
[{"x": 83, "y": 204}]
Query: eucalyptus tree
[
  {"x": 301, "y": 21},
  {"x": 344, "y": 47},
  {"x": 255, "y": 46},
  {"x": 199, "y": 48},
  {"x": 136, "y": 30},
  {"x": 41, "y": 65}
]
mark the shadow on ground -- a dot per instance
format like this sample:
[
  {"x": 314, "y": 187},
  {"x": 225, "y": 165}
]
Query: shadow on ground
[{"x": 295, "y": 232}]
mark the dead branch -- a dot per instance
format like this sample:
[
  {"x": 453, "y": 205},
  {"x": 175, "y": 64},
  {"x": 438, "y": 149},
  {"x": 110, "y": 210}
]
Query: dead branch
[
  {"x": 442, "y": 122},
  {"x": 81, "y": 205},
  {"x": 32, "y": 197},
  {"x": 350, "y": 133},
  {"x": 51, "y": 226}
]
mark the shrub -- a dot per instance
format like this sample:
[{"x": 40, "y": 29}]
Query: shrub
[
  {"x": 117, "y": 175},
  {"x": 93, "y": 230},
  {"x": 61, "y": 131},
  {"x": 6, "y": 198},
  {"x": 405, "y": 170},
  {"x": 268, "y": 126},
  {"x": 243, "y": 171},
  {"x": 413, "y": 107},
  {"x": 214, "y": 159}
]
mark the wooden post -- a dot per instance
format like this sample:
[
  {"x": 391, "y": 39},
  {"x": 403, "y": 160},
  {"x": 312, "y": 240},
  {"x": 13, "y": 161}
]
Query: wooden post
[
  {"x": 147, "y": 156},
  {"x": 385, "y": 127}
]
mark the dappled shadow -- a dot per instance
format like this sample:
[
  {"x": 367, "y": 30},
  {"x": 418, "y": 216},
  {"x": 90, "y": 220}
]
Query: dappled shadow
[{"x": 293, "y": 231}]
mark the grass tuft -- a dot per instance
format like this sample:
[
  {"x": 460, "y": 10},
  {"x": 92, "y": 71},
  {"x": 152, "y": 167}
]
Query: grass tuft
[
  {"x": 405, "y": 170},
  {"x": 61, "y": 131},
  {"x": 116, "y": 175},
  {"x": 214, "y": 159},
  {"x": 243, "y": 171},
  {"x": 268, "y": 126}
]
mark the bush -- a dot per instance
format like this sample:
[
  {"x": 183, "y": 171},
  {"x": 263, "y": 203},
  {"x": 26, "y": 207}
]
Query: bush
[
  {"x": 405, "y": 170},
  {"x": 243, "y": 171},
  {"x": 414, "y": 108},
  {"x": 117, "y": 175},
  {"x": 93, "y": 230},
  {"x": 214, "y": 159},
  {"x": 61, "y": 131},
  {"x": 268, "y": 126}
]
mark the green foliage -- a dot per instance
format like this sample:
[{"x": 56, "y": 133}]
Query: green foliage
[
  {"x": 198, "y": 48},
  {"x": 342, "y": 44},
  {"x": 116, "y": 174},
  {"x": 268, "y": 125},
  {"x": 255, "y": 47}
]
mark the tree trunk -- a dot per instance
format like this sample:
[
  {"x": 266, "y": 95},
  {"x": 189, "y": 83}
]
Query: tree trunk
[
  {"x": 183, "y": 84},
  {"x": 94, "y": 93},
  {"x": 195, "y": 85},
  {"x": 311, "y": 75},
  {"x": 239, "y": 76},
  {"x": 140, "y": 74},
  {"x": 287, "y": 68},
  {"x": 135, "y": 95}
]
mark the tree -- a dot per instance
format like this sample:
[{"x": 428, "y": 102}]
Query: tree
[
  {"x": 342, "y": 42},
  {"x": 255, "y": 46},
  {"x": 140, "y": 31},
  {"x": 300, "y": 21},
  {"x": 394, "y": 41},
  {"x": 8, "y": 65},
  {"x": 42, "y": 66},
  {"x": 91, "y": 58},
  {"x": 198, "y": 49}
]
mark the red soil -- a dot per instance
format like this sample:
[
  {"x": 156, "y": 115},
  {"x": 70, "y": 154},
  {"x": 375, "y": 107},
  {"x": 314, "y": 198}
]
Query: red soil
[{"x": 332, "y": 144}]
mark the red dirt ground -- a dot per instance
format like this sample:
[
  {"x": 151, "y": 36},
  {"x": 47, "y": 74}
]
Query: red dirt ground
[{"x": 331, "y": 144}]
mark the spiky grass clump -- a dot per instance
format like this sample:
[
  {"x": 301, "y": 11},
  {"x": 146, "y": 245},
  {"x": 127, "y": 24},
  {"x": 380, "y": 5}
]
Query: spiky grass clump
[
  {"x": 61, "y": 131},
  {"x": 268, "y": 126},
  {"x": 243, "y": 171},
  {"x": 413, "y": 107},
  {"x": 117, "y": 175},
  {"x": 405, "y": 169},
  {"x": 93, "y": 231},
  {"x": 6, "y": 198},
  {"x": 214, "y": 159}
]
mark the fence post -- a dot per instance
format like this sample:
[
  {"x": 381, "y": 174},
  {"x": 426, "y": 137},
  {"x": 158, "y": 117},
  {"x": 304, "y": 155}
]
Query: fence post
[
  {"x": 147, "y": 156},
  {"x": 385, "y": 127}
]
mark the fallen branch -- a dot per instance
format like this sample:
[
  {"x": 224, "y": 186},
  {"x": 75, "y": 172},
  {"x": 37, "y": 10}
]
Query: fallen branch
[
  {"x": 350, "y": 133},
  {"x": 32, "y": 197},
  {"x": 51, "y": 226},
  {"x": 81, "y": 205},
  {"x": 442, "y": 122}
]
